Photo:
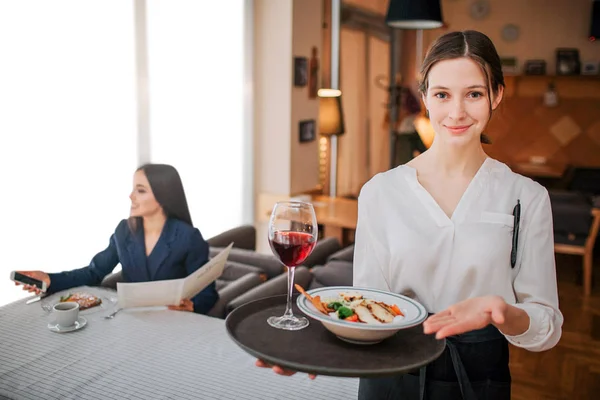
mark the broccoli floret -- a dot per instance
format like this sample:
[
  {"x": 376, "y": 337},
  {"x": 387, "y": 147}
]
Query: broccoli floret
[{"x": 345, "y": 312}]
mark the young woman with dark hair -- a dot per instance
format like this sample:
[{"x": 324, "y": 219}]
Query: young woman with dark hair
[
  {"x": 157, "y": 242},
  {"x": 463, "y": 234}
]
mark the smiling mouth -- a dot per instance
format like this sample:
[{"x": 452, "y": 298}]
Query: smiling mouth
[{"x": 458, "y": 129}]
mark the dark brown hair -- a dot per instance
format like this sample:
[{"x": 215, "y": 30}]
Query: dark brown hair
[
  {"x": 167, "y": 187},
  {"x": 473, "y": 45}
]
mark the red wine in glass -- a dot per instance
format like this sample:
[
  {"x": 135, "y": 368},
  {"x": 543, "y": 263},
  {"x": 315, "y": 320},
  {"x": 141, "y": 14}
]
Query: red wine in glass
[
  {"x": 293, "y": 232},
  {"x": 292, "y": 247}
]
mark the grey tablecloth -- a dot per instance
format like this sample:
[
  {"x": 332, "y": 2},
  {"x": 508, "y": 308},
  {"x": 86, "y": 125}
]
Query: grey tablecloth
[{"x": 140, "y": 355}]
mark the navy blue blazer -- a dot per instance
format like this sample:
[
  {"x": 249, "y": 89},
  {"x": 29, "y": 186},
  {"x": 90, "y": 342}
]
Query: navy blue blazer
[{"x": 179, "y": 251}]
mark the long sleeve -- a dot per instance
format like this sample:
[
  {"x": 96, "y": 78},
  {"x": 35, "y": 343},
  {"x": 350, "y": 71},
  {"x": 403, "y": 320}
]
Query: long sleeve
[
  {"x": 535, "y": 283},
  {"x": 197, "y": 257},
  {"x": 370, "y": 253},
  {"x": 101, "y": 265}
]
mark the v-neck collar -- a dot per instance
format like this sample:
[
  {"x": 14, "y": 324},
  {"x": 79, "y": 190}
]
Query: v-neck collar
[
  {"x": 151, "y": 263},
  {"x": 161, "y": 238},
  {"x": 470, "y": 194}
]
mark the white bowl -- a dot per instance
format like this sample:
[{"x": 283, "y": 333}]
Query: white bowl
[{"x": 357, "y": 332}]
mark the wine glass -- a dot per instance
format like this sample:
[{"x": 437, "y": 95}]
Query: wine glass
[{"x": 293, "y": 234}]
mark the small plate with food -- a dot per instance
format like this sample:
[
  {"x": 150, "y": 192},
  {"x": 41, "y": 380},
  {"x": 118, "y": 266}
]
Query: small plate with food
[
  {"x": 360, "y": 315},
  {"x": 89, "y": 300}
]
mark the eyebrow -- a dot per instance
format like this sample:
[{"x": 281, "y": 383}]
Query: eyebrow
[
  {"x": 141, "y": 186},
  {"x": 469, "y": 87}
]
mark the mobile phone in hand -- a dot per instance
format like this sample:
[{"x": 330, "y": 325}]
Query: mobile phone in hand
[{"x": 26, "y": 280}]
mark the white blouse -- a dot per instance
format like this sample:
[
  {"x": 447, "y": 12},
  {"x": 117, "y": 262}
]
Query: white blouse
[{"x": 405, "y": 243}]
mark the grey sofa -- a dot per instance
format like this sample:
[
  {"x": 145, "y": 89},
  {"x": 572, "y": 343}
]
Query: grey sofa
[{"x": 271, "y": 265}]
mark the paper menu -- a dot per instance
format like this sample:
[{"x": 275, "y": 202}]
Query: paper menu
[
  {"x": 171, "y": 292},
  {"x": 149, "y": 294},
  {"x": 202, "y": 277}
]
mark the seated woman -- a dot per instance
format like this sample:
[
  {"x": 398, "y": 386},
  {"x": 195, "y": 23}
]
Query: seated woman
[{"x": 157, "y": 242}]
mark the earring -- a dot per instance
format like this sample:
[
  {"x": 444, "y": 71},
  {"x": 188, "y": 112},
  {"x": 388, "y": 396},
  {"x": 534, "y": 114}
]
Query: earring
[{"x": 427, "y": 113}]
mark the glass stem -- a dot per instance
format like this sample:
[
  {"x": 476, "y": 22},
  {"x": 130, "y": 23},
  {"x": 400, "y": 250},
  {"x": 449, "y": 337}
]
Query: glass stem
[{"x": 288, "y": 307}]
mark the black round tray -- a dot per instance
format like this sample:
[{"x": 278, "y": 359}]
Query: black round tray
[{"x": 315, "y": 350}]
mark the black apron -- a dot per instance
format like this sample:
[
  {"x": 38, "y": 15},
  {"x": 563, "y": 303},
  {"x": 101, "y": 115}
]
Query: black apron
[{"x": 473, "y": 366}]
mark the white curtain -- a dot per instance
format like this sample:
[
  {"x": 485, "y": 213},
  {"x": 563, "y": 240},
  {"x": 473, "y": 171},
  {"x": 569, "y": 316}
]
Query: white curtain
[
  {"x": 67, "y": 131},
  {"x": 196, "y": 75},
  {"x": 353, "y": 145},
  {"x": 364, "y": 148}
]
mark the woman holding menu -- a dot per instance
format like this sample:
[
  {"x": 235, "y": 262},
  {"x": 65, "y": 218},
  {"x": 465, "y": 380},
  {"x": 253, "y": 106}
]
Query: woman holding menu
[
  {"x": 463, "y": 234},
  {"x": 157, "y": 242}
]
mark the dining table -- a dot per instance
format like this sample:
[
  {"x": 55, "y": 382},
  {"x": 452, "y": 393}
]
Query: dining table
[{"x": 145, "y": 354}]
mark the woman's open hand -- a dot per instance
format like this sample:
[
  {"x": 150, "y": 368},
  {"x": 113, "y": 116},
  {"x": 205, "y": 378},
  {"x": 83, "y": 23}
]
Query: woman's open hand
[
  {"x": 278, "y": 370},
  {"x": 185, "y": 305},
  {"x": 39, "y": 275},
  {"x": 466, "y": 316}
]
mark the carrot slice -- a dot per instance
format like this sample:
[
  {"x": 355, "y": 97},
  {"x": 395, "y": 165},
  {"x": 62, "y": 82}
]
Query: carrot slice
[
  {"x": 316, "y": 301},
  {"x": 319, "y": 305},
  {"x": 396, "y": 309},
  {"x": 301, "y": 290},
  {"x": 352, "y": 318}
]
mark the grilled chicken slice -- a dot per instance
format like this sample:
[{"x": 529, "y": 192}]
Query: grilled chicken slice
[
  {"x": 380, "y": 313},
  {"x": 351, "y": 296},
  {"x": 388, "y": 308},
  {"x": 364, "y": 314}
]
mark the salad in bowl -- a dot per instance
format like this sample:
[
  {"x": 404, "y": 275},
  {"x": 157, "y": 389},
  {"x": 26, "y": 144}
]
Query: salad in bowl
[{"x": 360, "y": 315}]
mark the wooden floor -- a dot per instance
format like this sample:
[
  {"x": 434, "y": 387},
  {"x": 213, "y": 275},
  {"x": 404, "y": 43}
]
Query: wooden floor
[{"x": 571, "y": 370}]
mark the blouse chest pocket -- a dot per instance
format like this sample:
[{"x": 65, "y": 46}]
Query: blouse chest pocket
[
  {"x": 497, "y": 218},
  {"x": 490, "y": 237}
]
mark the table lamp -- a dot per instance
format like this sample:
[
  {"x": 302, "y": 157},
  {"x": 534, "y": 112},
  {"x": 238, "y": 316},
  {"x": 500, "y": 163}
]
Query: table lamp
[{"x": 331, "y": 123}]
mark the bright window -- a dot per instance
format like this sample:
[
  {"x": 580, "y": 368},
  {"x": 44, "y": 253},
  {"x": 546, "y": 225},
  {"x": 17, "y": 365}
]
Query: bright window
[
  {"x": 196, "y": 73},
  {"x": 67, "y": 131}
]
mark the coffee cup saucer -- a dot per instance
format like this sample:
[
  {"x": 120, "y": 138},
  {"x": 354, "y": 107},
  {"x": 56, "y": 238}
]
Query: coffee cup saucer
[{"x": 80, "y": 323}]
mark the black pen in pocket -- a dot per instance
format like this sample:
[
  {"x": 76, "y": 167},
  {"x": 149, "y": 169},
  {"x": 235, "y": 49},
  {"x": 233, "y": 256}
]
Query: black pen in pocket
[{"x": 515, "y": 238}]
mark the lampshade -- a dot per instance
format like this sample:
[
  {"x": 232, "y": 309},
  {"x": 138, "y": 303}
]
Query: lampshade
[
  {"x": 331, "y": 117},
  {"x": 414, "y": 14},
  {"x": 425, "y": 130}
]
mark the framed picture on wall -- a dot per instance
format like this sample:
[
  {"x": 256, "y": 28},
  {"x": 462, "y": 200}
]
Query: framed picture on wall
[
  {"x": 300, "y": 71},
  {"x": 307, "y": 130}
]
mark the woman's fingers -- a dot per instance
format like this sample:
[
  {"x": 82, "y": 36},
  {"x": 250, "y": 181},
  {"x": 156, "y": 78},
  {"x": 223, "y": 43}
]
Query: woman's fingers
[
  {"x": 439, "y": 317},
  {"x": 441, "y": 314},
  {"x": 185, "y": 305},
  {"x": 31, "y": 289},
  {"x": 281, "y": 371},
  {"x": 431, "y": 326},
  {"x": 456, "y": 329},
  {"x": 278, "y": 370}
]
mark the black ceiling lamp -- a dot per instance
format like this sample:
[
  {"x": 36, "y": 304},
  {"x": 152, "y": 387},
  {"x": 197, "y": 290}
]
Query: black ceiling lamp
[{"x": 414, "y": 14}]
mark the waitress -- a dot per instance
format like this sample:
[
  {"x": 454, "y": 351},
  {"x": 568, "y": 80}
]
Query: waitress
[{"x": 462, "y": 234}]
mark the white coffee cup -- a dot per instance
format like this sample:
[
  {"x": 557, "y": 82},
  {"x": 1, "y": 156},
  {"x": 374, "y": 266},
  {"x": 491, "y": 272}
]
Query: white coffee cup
[{"x": 66, "y": 313}]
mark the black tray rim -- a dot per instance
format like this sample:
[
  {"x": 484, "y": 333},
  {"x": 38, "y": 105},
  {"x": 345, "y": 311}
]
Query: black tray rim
[{"x": 316, "y": 370}]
